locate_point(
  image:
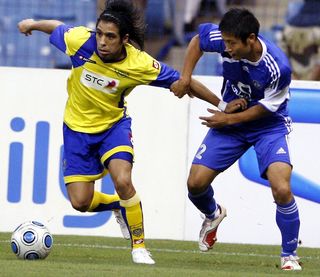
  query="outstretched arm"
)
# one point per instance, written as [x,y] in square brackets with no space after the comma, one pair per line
[26,26]
[200,91]
[193,54]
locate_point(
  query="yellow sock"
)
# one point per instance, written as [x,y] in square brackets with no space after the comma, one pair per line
[104,202]
[134,218]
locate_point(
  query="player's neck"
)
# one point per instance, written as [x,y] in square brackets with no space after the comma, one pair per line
[256,52]
[123,54]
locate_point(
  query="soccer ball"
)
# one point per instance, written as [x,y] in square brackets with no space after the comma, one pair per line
[31,240]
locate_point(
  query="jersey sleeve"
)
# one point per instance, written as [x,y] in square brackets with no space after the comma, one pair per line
[151,72]
[278,90]
[166,76]
[69,39]
[210,38]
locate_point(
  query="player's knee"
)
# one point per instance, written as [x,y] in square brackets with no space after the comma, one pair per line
[122,181]
[124,186]
[195,186]
[81,205]
[282,195]
[80,195]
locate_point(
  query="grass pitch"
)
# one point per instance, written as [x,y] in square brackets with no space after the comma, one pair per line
[105,256]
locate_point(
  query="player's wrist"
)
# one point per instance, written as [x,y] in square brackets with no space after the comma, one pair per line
[186,81]
[222,105]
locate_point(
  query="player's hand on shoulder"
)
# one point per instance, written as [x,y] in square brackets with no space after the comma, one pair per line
[236,105]
[25,26]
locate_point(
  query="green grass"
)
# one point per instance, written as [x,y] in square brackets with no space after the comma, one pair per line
[102,256]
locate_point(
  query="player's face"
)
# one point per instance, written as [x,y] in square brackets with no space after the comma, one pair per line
[109,44]
[236,48]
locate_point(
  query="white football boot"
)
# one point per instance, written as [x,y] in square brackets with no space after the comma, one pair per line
[290,263]
[142,256]
[123,226]
[208,232]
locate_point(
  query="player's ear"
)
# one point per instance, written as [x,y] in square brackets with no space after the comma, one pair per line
[251,38]
[125,38]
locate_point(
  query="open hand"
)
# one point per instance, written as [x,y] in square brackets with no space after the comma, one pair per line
[216,119]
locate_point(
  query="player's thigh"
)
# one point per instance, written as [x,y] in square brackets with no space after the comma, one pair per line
[272,148]
[81,161]
[117,143]
[80,194]
[220,149]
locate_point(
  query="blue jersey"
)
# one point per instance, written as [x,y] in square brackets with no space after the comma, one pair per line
[265,82]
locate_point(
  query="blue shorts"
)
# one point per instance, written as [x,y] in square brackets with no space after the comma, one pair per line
[86,156]
[223,147]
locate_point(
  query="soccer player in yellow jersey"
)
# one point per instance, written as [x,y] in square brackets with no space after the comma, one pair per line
[106,67]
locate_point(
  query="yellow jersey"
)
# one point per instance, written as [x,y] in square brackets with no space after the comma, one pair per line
[97,90]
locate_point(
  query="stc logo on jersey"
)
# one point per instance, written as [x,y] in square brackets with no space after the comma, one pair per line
[98,82]
[301,185]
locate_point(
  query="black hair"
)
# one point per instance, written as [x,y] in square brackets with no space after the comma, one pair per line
[239,22]
[127,17]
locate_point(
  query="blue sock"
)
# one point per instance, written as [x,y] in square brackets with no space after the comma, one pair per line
[287,217]
[205,202]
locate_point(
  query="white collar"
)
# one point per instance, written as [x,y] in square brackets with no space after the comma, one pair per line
[264,51]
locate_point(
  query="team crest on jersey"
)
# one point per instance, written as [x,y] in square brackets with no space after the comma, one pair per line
[156,64]
[96,81]
[256,84]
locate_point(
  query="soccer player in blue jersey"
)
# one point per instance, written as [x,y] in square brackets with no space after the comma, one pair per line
[258,71]
[106,67]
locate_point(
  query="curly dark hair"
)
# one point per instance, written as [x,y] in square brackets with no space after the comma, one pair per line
[127,17]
